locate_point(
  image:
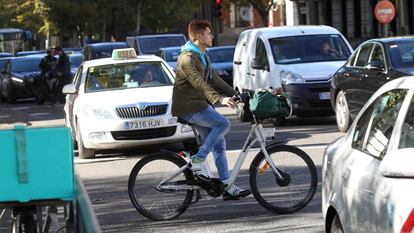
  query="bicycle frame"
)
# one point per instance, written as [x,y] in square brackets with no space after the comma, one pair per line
[257,134]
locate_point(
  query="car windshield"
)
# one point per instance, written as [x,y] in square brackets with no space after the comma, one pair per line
[221,55]
[402,54]
[3,63]
[313,48]
[25,65]
[126,76]
[150,45]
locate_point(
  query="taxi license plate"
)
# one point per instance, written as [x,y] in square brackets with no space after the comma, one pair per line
[324,95]
[150,123]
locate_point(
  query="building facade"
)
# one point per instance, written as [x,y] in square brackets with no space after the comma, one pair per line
[355,18]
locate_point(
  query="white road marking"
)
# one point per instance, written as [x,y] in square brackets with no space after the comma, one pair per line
[85,161]
[39,114]
[96,160]
[5,116]
[21,108]
[303,147]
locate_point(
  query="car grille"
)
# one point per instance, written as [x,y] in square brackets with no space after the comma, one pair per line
[320,104]
[319,89]
[134,112]
[144,133]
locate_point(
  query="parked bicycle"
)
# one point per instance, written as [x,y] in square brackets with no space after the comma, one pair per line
[283,178]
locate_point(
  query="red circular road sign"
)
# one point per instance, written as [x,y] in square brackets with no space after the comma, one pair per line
[384,11]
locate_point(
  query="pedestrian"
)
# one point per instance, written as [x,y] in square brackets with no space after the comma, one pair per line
[196,89]
[62,72]
[42,88]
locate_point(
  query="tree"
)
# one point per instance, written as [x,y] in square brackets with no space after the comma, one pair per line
[262,7]
[159,16]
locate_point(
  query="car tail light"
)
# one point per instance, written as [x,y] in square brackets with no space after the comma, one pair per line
[408,226]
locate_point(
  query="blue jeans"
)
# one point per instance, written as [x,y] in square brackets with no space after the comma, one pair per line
[212,126]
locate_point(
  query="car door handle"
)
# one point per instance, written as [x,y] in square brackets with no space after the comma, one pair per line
[253,75]
[237,62]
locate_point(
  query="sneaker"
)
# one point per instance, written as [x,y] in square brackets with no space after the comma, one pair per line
[235,193]
[200,168]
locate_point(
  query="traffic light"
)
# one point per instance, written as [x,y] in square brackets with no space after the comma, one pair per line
[217,9]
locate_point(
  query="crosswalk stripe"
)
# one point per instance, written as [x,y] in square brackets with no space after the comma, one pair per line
[39,114]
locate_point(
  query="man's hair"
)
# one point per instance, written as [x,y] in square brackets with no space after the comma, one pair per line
[57,48]
[197,26]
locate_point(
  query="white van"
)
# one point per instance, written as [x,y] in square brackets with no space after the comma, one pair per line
[299,59]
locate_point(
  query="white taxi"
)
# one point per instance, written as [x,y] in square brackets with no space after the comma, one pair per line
[123,101]
[368,175]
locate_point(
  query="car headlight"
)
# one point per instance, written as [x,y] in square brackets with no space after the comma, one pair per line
[290,78]
[186,129]
[17,80]
[96,112]
[222,73]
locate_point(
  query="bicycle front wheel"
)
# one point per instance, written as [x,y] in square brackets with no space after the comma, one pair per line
[148,198]
[297,187]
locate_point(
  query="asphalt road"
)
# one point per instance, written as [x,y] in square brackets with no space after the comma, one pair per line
[106,180]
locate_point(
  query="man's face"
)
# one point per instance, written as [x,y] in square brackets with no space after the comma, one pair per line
[206,37]
[326,48]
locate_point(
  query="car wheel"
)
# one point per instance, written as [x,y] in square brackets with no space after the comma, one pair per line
[342,112]
[10,96]
[83,152]
[2,98]
[243,114]
[336,226]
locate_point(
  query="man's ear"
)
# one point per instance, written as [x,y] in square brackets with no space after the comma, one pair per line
[199,38]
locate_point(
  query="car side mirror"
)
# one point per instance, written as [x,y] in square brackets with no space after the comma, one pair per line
[376,65]
[69,89]
[257,64]
[398,164]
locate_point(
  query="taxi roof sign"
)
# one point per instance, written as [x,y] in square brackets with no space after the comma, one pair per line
[123,54]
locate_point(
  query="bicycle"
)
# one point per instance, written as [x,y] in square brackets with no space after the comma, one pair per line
[285,168]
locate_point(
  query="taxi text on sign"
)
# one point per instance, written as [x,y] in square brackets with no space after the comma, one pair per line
[384,11]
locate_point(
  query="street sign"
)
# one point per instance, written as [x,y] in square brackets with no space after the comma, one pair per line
[384,11]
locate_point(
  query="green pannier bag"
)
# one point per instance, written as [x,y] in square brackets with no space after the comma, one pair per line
[265,104]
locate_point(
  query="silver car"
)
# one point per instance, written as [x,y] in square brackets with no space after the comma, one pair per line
[368,175]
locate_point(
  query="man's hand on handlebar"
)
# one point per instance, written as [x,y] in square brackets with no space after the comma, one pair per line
[228,101]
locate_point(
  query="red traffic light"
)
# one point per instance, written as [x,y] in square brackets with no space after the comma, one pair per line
[218,2]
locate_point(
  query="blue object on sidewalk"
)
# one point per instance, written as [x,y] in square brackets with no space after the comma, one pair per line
[36,164]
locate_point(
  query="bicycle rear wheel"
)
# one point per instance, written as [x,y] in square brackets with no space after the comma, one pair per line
[288,195]
[155,203]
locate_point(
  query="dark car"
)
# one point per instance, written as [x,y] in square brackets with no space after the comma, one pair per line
[101,50]
[373,63]
[221,58]
[17,77]
[150,44]
[170,55]
[27,53]
[6,55]
[76,60]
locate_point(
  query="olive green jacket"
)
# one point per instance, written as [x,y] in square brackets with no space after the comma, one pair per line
[193,90]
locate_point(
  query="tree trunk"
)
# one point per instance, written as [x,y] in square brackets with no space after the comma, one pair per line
[138,17]
[262,9]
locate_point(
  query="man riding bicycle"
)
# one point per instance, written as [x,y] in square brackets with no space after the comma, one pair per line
[196,89]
